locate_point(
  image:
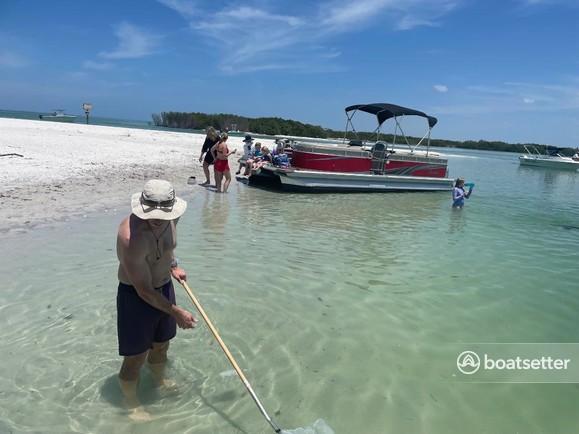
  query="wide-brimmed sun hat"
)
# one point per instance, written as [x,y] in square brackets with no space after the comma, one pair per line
[248,138]
[157,201]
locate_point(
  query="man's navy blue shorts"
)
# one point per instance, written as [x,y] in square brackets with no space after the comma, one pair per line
[139,324]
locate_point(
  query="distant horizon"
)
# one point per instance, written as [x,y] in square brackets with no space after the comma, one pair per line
[150,123]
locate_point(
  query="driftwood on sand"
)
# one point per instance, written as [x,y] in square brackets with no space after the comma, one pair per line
[11,155]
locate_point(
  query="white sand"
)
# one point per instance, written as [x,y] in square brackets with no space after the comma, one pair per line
[70,170]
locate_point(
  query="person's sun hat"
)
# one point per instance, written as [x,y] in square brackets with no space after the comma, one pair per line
[248,138]
[157,201]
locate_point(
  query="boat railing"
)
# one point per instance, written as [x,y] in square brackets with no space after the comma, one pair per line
[412,148]
[341,151]
[532,151]
[409,156]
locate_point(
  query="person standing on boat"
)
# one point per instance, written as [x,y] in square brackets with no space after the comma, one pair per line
[458,193]
[210,140]
[147,316]
[221,155]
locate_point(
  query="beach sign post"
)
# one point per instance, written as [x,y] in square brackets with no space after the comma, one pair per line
[87,107]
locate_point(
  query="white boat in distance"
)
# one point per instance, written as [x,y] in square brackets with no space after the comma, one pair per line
[552,159]
[58,116]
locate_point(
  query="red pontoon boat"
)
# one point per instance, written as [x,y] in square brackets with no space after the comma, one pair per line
[357,166]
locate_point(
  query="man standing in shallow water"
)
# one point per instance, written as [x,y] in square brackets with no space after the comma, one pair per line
[147,315]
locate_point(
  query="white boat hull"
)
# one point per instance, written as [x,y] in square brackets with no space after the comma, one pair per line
[313,180]
[553,163]
[65,118]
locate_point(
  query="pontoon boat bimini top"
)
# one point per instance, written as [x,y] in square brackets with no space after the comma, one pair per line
[384,111]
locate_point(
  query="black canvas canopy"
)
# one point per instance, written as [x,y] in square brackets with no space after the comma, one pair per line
[384,111]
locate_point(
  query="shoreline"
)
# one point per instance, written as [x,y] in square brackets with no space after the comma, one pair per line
[29,207]
[71,170]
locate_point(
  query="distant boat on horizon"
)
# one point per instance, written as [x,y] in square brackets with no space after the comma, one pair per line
[58,116]
[551,159]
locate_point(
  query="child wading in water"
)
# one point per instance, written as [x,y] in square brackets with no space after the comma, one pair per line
[458,193]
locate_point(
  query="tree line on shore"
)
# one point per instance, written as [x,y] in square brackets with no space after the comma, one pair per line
[277,126]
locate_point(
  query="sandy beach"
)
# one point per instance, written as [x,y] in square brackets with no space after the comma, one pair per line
[70,170]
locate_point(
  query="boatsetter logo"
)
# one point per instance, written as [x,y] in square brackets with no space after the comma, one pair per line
[470,362]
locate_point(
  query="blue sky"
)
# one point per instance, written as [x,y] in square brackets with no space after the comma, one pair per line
[497,70]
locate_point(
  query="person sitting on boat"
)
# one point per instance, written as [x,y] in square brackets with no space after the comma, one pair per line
[266,158]
[253,158]
[279,147]
[247,142]
[257,163]
[280,158]
[458,193]
[256,153]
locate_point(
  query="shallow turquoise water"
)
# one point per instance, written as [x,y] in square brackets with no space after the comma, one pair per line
[348,308]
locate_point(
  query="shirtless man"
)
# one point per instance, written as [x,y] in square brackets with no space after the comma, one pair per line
[147,315]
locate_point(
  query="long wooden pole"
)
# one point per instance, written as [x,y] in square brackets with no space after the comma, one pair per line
[275,427]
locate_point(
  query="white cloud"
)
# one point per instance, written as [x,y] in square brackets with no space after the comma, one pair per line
[440,88]
[342,13]
[530,4]
[11,60]
[99,66]
[410,22]
[332,54]
[183,7]
[251,38]
[133,43]
[407,14]
[507,98]
[248,13]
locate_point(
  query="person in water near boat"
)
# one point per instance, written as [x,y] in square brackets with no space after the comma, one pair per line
[458,193]
[147,316]
[210,140]
[221,155]
[247,142]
